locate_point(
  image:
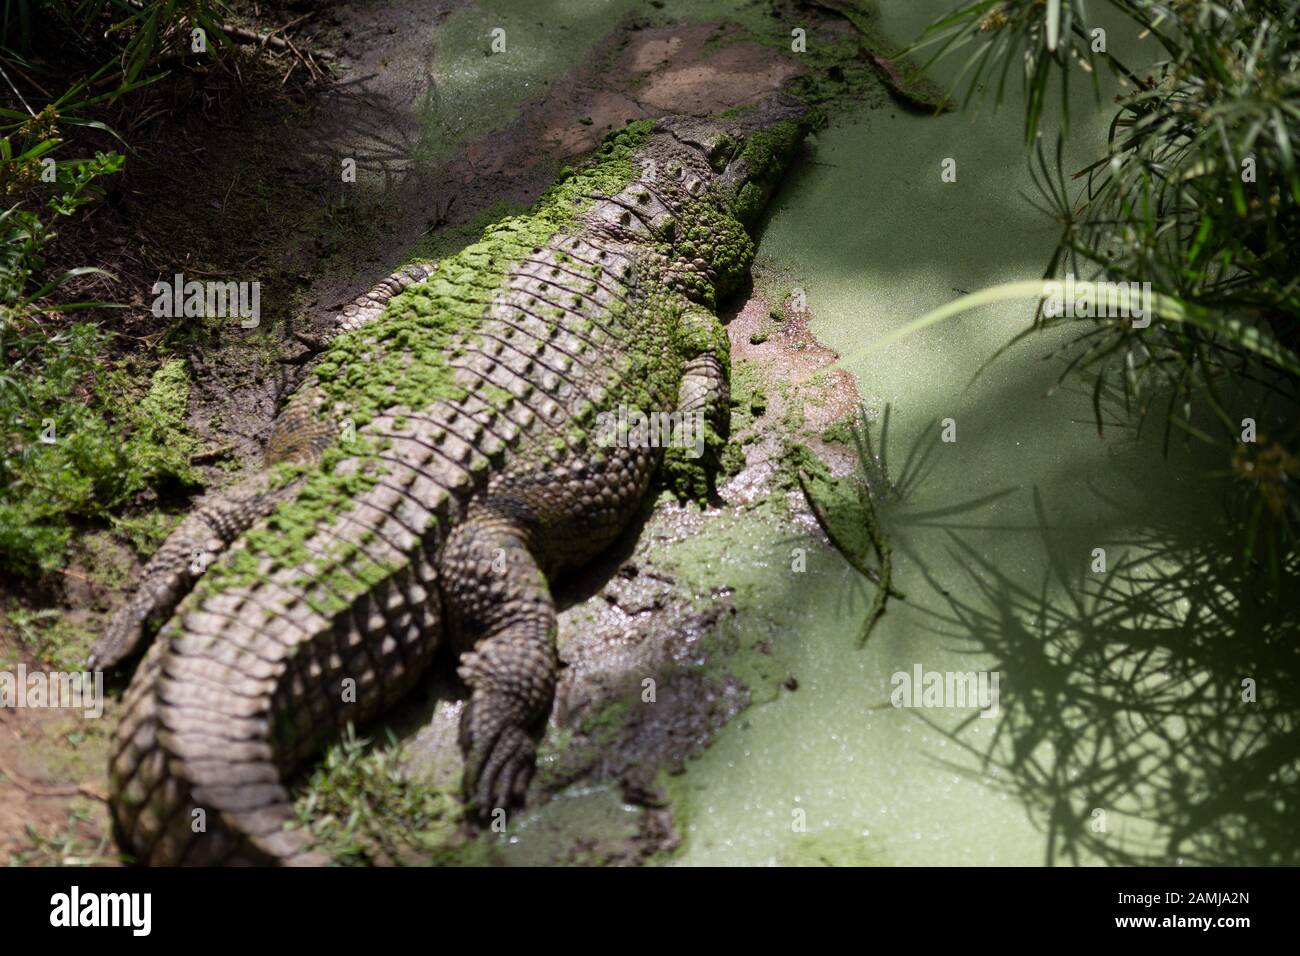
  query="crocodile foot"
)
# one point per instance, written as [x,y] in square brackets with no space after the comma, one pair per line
[499,754]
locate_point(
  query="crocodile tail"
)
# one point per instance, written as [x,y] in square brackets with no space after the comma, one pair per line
[238,691]
[163,813]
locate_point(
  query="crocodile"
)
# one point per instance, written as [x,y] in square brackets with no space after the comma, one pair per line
[438,467]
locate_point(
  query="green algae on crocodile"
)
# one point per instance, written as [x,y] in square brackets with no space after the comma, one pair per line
[422,320]
[767,153]
[418,325]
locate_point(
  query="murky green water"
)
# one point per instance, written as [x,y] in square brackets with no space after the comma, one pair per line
[1028,487]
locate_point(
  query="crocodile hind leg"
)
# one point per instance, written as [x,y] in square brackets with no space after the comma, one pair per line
[208,530]
[300,435]
[496,597]
[368,306]
[706,372]
[705,389]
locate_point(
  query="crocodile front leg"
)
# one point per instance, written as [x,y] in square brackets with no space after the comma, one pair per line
[705,391]
[501,613]
[706,388]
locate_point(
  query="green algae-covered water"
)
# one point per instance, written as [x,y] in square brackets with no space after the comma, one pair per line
[1012,509]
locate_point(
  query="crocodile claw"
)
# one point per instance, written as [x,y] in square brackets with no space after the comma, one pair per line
[499,758]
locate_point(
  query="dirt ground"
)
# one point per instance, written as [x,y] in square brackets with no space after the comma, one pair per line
[244,182]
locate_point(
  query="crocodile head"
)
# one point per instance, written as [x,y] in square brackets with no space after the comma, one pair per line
[749,151]
[738,161]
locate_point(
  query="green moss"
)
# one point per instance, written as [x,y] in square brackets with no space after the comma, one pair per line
[839,503]
[733,459]
[106,560]
[839,433]
[692,479]
[402,360]
[748,394]
[768,153]
[748,403]
[606,725]
[736,111]
[713,233]
[795,417]
[161,444]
